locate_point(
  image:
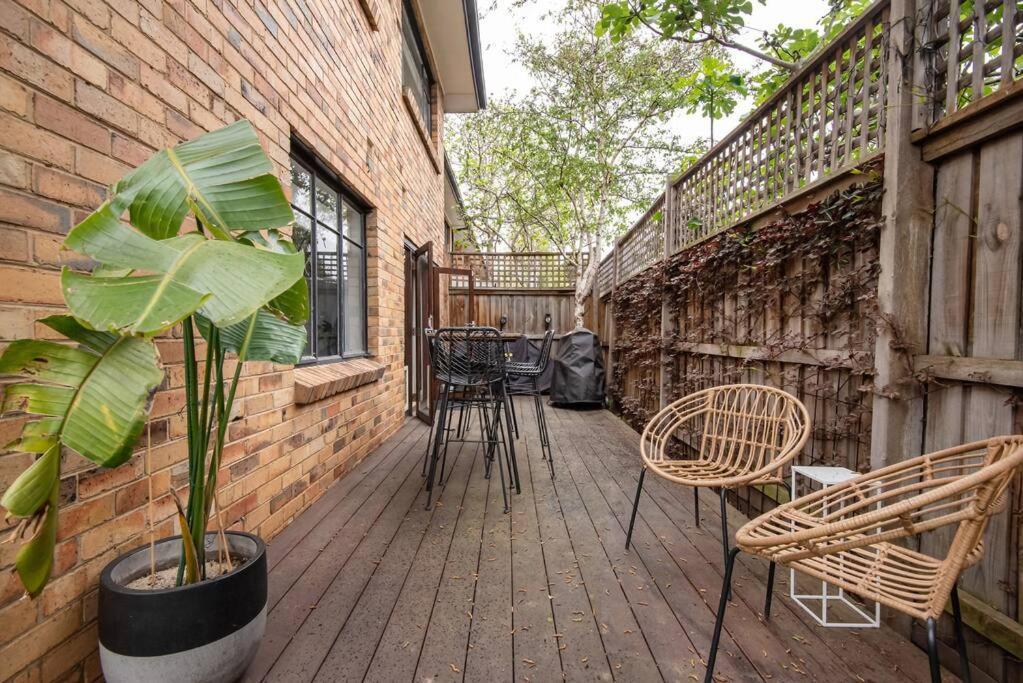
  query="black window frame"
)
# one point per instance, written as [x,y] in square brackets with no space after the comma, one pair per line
[320,173]
[410,25]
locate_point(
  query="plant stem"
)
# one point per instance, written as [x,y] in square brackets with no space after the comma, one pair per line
[192,418]
[225,413]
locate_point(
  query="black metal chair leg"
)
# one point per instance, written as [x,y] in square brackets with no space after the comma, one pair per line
[490,438]
[461,422]
[499,433]
[932,650]
[964,660]
[506,399]
[444,454]
[726,590]
[770,592]
[435,454]
[635,507]
[514,416]
[696,505]
[724,528]
[541,420]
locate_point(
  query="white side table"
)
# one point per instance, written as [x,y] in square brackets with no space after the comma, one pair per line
[816,604]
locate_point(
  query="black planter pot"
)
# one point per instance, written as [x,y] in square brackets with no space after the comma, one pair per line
[206,632]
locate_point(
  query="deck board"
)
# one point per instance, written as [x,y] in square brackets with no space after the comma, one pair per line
[370,585]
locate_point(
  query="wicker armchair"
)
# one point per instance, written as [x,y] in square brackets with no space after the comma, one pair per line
[844,534]
[734,435]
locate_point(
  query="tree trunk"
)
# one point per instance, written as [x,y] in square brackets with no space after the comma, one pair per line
[584,283]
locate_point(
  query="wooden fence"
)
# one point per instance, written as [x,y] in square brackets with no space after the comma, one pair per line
[923,100]
[523,288]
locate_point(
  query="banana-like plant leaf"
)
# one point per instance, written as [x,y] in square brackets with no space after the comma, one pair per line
[293,304]
[223,176]
[94,399]
[187,544]
[190,275]
[32,488]
[272,339]
[34,560]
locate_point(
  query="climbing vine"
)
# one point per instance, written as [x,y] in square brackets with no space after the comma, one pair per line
[792,303]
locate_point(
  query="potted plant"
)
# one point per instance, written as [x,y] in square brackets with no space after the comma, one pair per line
[191,607]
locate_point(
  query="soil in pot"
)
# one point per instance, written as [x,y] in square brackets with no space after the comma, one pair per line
[168,577]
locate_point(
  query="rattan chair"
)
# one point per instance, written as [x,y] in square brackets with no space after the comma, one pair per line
[724,437]
[845,534]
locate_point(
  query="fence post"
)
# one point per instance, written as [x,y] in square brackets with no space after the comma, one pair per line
[667,221]
[903,254]
[612,327]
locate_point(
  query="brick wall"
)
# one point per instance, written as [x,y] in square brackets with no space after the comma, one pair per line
[90,88]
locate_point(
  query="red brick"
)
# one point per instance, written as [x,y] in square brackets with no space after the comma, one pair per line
[66,656]
[157,83]
[96,11]
[111,534]
[32,212]
[14,171]
[106,108]
[97,167]
[21,61]
[104,47]
[101,480]
[72,124]
[14,19]
[51,42]
[31,646]
[84,65]
[13,245]
[129,151]
[142,46]
[14,97]
[67,188]
[17,618]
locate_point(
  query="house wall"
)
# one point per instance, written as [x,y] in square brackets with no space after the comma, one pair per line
[89,89]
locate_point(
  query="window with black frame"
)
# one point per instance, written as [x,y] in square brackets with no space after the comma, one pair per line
[330,228]
[415,72]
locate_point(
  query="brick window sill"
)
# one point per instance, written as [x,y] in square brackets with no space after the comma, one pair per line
[317,382]
[424,135]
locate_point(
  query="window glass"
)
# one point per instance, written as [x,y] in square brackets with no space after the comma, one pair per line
[355,320]
[415,74]
[353,224]
[330,230]
[326,205]
[301,186]
[327,292]
[302,236]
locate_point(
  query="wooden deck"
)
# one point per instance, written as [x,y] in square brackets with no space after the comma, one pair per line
[368,585]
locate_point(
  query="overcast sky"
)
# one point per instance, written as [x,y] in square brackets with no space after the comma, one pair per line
[500,20]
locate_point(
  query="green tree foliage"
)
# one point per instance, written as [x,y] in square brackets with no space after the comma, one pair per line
[780,50]
[565,166]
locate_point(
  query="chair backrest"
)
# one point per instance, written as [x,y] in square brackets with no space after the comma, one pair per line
[545,350]
[467,356]
[742,427]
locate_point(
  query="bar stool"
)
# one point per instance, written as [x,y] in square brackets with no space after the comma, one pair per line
[469,365]
[531,373]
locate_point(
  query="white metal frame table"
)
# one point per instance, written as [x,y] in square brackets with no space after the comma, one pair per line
[828,476]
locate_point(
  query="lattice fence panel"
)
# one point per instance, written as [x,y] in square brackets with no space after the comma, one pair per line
[972,49]
[532,270]
[829,117]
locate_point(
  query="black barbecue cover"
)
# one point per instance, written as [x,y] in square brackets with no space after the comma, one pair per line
[578,376]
